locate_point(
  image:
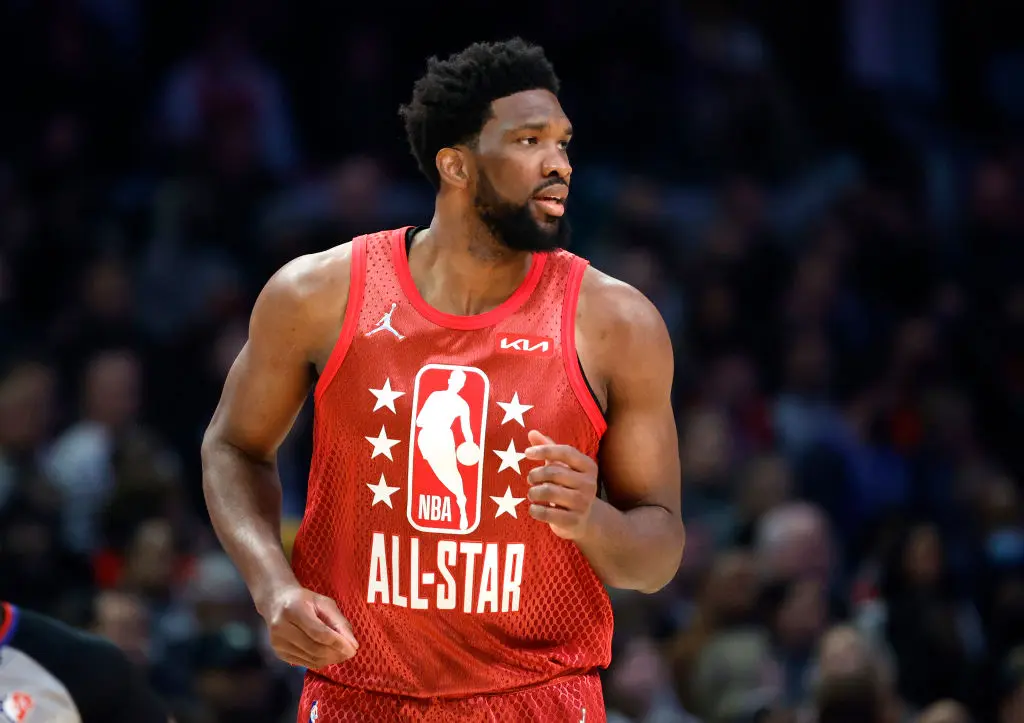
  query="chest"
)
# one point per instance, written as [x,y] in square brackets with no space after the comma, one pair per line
[446,416]
[488,382]
[519,355]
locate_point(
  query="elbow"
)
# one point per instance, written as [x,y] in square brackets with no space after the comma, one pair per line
[220,453]
[207,455]
[669,560]
[211,444]
[215,453]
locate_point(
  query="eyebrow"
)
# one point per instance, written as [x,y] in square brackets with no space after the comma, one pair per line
[537,126]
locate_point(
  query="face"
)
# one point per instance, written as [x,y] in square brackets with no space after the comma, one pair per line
[522,172]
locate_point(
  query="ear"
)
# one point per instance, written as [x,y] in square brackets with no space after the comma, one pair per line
[454,166]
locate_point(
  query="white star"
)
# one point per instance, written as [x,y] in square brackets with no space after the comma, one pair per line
[382,492]
[510,458]
[514,410]
[507,504]
[381,444]
[385,397]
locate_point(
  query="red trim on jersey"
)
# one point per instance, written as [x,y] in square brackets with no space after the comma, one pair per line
[351,323]
[10,615]
[457,321]
[572,362]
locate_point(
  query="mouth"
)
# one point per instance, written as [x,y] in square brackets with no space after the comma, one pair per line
[550,206]
[552,200]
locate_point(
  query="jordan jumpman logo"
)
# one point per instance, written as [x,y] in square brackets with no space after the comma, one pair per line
[385,324]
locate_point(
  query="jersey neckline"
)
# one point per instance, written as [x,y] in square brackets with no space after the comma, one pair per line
[458,321]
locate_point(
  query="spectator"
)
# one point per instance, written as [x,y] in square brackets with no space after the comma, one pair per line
[850,698]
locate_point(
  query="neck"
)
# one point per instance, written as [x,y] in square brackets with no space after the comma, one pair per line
[460,268]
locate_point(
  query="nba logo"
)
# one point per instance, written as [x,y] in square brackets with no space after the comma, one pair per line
[446,444]
[314,714]
[16,706]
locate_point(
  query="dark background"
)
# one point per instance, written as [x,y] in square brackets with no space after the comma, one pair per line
[824,200]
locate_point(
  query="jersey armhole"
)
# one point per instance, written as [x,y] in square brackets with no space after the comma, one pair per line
[350,324]
[573,369]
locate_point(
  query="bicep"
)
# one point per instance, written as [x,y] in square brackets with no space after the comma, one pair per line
[639,454]
[268,382]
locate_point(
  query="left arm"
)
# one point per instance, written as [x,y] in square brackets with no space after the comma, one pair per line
[635,540]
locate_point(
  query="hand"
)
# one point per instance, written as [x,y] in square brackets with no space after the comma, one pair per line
[563,489]
[307,629]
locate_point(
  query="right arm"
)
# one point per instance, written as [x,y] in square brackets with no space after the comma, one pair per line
[297,316]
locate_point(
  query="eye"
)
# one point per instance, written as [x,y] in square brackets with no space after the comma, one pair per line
[529,141]
[564,145]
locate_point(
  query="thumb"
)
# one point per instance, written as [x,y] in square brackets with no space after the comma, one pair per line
[327,610]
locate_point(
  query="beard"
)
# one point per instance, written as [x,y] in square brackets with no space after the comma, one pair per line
[513,225]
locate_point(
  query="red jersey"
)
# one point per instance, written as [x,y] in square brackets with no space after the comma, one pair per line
[417,518]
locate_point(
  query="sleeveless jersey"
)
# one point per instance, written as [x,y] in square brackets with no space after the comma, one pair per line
[417,518]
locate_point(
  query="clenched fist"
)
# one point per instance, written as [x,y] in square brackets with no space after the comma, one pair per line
[307,629]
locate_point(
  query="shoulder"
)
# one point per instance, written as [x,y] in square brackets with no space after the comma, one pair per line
[100,678]
[618,316]
[306,296]
[306,280]
[622,336]
[80,660]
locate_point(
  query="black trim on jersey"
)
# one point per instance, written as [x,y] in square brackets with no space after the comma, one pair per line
[411,233]
[103,683]
[589,388]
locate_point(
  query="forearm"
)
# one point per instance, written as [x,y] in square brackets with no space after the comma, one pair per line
[635,550]
[243,497]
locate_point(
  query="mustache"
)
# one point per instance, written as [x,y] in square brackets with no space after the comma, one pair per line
[549,184]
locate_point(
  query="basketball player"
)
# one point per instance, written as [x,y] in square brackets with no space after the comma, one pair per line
[412,595]
[50,673]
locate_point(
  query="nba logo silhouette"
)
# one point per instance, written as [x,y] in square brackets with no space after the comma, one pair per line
[446,444]
[314,714]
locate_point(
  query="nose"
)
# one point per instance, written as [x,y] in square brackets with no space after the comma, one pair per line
[556,163]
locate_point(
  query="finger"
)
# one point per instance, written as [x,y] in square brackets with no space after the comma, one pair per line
[291,654]
[307,619]
[328,612]
[312,627]
[569,456]
[550,494]
[553,515]
[538,438]
[314,654]
[560,475]
[297,637]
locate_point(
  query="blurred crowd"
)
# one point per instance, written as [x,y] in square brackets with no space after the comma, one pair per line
[829,214]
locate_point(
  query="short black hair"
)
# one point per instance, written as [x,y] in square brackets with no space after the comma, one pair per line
[452,101]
